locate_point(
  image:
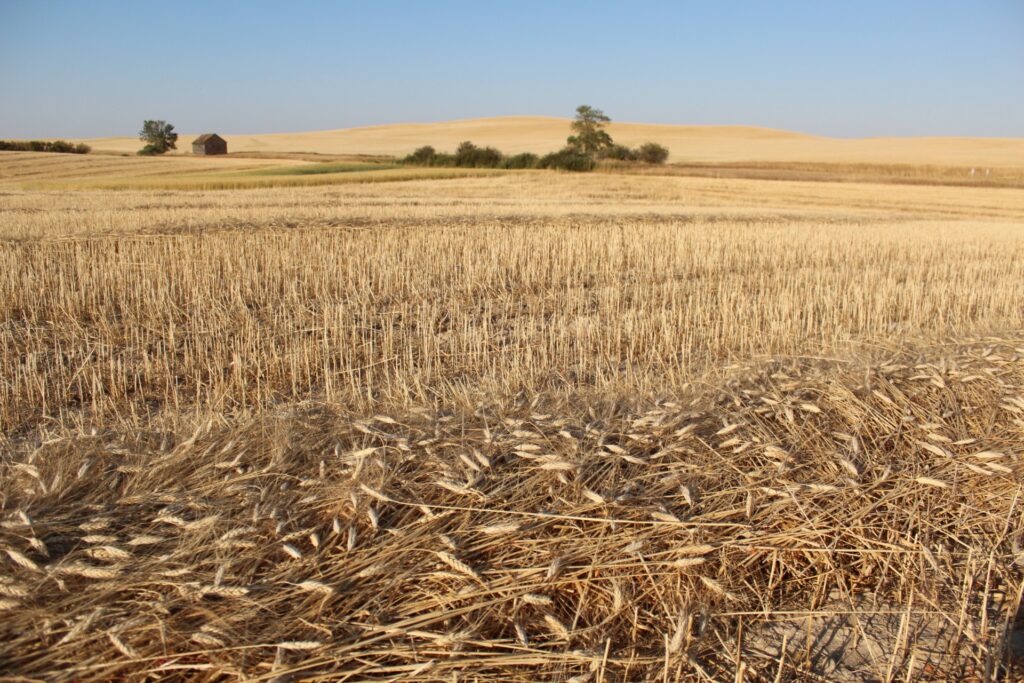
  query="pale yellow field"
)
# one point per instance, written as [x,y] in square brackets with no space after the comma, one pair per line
[42,171]
[28,167]
[530,426]
[686,143]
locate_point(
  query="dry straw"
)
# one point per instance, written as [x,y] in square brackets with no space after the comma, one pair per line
[528,559]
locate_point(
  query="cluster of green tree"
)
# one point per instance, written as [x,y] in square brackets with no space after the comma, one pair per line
[589,144]
[159,137]
[60,146]
[469,155]
[647,153]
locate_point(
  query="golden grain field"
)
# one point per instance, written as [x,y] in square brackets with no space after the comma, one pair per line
[524,426]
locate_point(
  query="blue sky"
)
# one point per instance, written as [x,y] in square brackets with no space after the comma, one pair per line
[856,68]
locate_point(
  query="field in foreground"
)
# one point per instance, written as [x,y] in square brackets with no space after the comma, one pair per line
[874,507]
[530,426]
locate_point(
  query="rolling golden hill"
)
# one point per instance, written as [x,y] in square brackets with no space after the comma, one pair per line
[699,144]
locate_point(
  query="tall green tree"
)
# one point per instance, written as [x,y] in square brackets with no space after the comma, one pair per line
[590,136]
[159,137]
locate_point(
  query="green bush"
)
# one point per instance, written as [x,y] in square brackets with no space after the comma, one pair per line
[618,153]
[524,160]
[469,155]
[424,156]
[465,153]
[150,150]
[568,159]
[652,153]
[62,147]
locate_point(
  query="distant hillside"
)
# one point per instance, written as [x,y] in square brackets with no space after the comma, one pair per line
[721,144]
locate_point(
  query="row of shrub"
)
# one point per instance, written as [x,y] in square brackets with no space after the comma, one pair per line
[469,155]
[60,146]
[647,153]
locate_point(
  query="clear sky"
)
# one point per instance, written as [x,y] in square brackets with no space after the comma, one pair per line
[854,68]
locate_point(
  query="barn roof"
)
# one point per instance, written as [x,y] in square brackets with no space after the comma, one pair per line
[206,137]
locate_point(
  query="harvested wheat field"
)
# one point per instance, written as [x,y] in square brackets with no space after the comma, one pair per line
[524,426]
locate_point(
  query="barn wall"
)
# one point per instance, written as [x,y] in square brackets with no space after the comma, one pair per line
[210,147]
[216,146]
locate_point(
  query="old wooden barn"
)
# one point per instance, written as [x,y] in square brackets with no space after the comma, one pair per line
[209,143]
